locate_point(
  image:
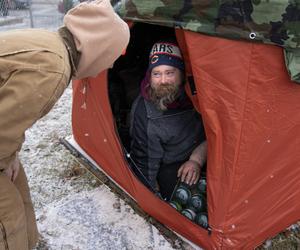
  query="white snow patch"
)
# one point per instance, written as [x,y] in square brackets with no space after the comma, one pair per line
[88,220]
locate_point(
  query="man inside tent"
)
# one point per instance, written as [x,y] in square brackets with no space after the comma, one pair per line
[168,139]
[35,68]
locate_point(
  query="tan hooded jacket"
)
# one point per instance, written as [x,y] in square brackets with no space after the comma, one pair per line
[100,36]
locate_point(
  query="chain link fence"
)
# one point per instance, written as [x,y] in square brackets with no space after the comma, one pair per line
[20,14]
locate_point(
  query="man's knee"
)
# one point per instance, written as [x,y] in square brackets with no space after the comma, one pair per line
[13,231]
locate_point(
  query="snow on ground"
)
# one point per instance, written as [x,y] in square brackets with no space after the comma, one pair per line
[73,210]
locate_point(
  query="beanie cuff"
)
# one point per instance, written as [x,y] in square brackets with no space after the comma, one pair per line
[165,53]
[159,59]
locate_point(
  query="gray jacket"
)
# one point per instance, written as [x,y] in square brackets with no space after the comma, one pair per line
[162,138]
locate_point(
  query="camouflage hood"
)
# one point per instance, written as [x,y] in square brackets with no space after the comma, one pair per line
[267,21]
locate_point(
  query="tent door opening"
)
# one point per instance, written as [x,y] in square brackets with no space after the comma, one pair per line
[128,71]
[124,81]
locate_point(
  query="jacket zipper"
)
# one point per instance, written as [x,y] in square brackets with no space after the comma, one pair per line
[170,115]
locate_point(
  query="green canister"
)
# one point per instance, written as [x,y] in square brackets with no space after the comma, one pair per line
[201,185]
[183,194]
[198,202]
[176,205]
[202,219]
[189,213]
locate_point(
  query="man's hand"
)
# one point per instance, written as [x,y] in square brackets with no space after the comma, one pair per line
[13,169]
[189,172]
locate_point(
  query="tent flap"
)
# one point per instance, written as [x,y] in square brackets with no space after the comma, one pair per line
[249,107]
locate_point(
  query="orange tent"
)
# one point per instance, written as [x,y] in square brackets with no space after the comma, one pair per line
[250,111]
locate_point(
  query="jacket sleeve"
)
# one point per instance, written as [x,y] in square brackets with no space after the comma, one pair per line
[27,94]
[146,148]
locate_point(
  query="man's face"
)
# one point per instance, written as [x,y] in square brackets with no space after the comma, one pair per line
[164,75]
[165,81]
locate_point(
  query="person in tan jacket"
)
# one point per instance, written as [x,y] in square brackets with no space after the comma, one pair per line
[35,68]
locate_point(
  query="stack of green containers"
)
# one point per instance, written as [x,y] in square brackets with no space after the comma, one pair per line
[190,201]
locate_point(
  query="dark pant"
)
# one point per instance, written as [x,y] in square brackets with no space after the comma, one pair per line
[167,179]
[18,229]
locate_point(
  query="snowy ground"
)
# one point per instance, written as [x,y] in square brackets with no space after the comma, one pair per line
[74,211]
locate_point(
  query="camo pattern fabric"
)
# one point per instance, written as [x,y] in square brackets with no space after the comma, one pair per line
[267,21]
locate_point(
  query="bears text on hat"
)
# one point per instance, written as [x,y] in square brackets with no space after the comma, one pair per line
[166,49]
